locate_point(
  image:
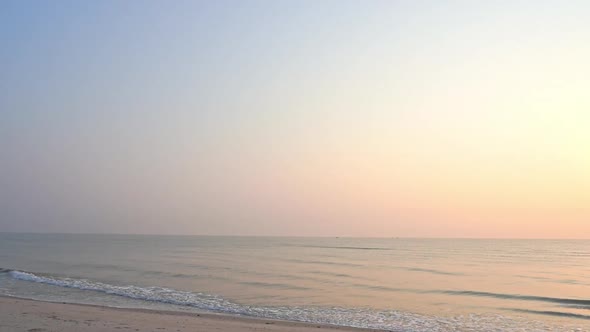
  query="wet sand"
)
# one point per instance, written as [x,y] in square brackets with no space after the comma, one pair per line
[38,316]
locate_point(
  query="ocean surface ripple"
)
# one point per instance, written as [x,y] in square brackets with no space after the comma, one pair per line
[407,285]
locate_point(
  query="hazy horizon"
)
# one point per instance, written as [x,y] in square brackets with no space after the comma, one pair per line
[304,236]
[448,119]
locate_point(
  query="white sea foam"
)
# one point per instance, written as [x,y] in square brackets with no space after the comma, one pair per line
[156,294]
[354,317]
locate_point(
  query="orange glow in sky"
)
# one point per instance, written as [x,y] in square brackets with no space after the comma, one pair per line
[317,119]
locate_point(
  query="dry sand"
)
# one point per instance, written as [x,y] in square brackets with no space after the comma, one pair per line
[37,316]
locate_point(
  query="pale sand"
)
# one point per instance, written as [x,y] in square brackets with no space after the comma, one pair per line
[37,316]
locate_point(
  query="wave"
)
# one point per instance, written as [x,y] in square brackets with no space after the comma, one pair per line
[273,285]
[335,274]
[550,280]
[316,262]
[346,247]
[417,269]
[154,294]
[391,320]
[578,302]
[549,313]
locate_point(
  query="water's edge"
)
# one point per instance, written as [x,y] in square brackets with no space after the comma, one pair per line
[201,314]
[214,304]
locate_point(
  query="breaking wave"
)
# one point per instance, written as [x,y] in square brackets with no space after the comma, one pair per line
[391,320]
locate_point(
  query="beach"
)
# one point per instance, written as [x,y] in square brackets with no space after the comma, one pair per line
[39,316]
[295,165]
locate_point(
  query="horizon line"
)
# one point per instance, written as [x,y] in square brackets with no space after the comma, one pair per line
[295,236]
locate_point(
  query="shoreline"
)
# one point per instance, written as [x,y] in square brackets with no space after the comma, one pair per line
[20,314]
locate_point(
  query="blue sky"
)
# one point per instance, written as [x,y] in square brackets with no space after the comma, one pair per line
[410,118]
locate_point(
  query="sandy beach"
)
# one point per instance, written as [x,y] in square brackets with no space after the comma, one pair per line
[37,316]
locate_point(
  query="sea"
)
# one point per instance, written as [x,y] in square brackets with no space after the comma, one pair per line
[394,284]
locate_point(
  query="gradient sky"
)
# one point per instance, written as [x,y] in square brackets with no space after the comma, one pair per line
[328,118]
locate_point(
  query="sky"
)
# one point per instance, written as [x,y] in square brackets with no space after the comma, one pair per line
[296,118]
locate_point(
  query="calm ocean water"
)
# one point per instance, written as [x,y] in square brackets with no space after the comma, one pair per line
[393,284]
